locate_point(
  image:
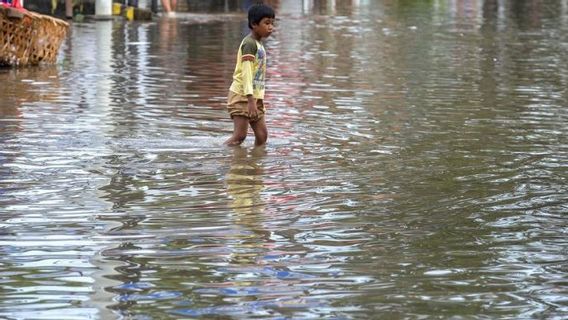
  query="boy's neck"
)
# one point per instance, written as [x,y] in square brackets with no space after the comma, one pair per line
[255,36]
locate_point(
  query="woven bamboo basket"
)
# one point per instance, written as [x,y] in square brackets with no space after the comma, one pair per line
[28,38]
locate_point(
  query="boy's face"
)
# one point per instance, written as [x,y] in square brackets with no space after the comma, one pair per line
[264,28]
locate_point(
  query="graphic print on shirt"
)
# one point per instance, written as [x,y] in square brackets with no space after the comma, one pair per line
[258,81]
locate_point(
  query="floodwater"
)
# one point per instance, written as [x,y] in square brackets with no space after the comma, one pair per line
[416,168]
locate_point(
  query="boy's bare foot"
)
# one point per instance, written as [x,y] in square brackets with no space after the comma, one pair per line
[233,143]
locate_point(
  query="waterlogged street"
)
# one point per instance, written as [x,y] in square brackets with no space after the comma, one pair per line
[416,167]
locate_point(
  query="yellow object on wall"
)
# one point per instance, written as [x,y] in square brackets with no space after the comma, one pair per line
[129,13]
[116,9]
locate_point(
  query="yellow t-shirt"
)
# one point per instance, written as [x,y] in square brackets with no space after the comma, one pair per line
[250,71]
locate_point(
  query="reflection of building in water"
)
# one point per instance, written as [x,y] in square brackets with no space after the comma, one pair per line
[10,114]
[18,89]
[27,85]
[42,120]
[305,45]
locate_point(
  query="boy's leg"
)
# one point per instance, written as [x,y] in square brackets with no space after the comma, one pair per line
[166,5]
[260,132]
[240,129]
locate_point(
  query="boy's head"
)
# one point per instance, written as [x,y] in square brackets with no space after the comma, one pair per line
[257,12]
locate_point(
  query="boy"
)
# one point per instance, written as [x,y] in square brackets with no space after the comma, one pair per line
[245,101]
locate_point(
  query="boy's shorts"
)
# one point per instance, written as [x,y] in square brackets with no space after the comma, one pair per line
[237,105]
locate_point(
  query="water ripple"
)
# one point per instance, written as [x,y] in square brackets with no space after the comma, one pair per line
[417,157]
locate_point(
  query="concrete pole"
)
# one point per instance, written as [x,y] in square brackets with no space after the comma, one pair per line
[104,84]
[154,6]
[143,4]
[307,6]
[69,9]
[103,9]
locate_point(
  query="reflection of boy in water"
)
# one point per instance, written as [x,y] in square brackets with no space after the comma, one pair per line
[244,185]
[246,95]
[244,182]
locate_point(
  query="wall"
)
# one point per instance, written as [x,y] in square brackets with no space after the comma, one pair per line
[87,7]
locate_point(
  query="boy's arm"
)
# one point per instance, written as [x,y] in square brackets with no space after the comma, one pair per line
[248,52]
[247,66]
[247,85]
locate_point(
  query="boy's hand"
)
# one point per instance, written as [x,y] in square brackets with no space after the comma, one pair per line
[252,110]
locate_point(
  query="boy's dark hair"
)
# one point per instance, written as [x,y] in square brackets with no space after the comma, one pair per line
[257,12]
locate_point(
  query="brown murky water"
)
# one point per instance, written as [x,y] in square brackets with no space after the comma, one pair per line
[417,168]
